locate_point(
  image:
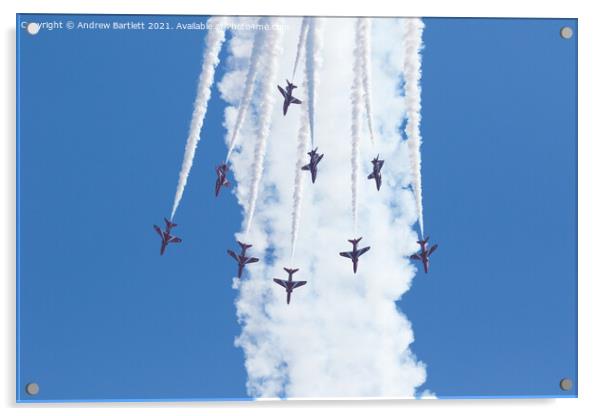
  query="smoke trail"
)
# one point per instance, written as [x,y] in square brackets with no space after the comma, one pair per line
[302,140]
[364,29]
[269,58]
[323,343]
[245,102]
[213,44]
[412,74]
[356,98]
[313,59]
[302,37]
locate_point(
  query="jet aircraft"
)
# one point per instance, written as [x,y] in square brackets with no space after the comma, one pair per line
[425,253]
[166,237]
[355,253]
[222,180]
[290,284]
[377,165]
[312,166]
[288,95]
[242,259]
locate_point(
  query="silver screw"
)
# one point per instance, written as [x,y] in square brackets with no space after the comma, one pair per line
[33,28]
[566,32]
[32,389]
[566,384]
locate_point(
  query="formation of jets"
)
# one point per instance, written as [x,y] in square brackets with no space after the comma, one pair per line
[166,237]
[290,284]
[312,166]
[288,96]
[425,253]
[242,259]
[314,157]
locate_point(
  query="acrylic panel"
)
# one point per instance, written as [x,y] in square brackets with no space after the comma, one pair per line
[242,208]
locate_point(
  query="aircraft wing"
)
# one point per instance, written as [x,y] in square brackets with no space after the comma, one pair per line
[295,101]
[415,257]
[299,283]
[251,260]
[347,254]
[371,176]
[362,251]
[282,91]
[233,254]
[175,240]
[158,230]
[306,167]
[280,282]
[432,249]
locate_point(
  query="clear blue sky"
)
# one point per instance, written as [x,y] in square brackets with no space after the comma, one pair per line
[497,313]
[103,121]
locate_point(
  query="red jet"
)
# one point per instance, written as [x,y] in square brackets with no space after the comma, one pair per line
[312,166]
[222,180]
[425,253]
[354,254]
[242,259]
[288,95]
[166,237]
[290,284]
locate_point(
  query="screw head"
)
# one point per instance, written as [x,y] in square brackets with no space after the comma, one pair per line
[32,389]
[566,32]
[33,28]
[566,384]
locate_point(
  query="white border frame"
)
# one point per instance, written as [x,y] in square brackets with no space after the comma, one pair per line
[590,201]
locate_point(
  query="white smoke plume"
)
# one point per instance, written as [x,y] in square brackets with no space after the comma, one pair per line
[342,335]
[213,45]
[356,125]
[365,39]
[271,50]
[302,141]
[258,45]
[313,60]
[412,72]
[300,44]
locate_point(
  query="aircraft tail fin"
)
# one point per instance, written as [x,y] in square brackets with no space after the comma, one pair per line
[355,241]
[170,224]
[291,271]
[243,245]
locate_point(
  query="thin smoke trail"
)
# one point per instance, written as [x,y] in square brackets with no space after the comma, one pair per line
[412,74]
[365,28]
[245,102]
[300,43]
[269,58]
[302,141]
[356,101]
[313,59]
[213,44]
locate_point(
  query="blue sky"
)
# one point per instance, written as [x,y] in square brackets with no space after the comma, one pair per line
[103,122]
